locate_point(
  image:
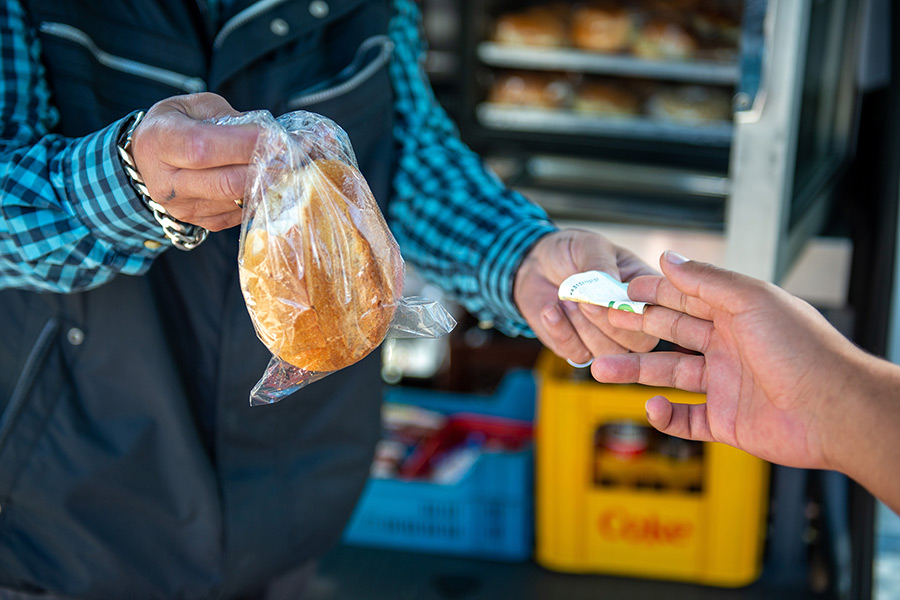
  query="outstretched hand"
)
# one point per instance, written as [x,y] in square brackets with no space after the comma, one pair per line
[772,367]
[577,332]
[196,170]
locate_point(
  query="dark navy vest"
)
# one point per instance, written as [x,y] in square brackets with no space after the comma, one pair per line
[131,465]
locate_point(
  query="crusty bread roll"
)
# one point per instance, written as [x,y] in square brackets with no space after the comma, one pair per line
[602,27]
[661,39]
[690,103]
[540,26]
[321,280]
[607,98]
[530,88]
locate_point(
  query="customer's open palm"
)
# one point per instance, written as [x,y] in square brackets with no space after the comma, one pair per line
[766,356]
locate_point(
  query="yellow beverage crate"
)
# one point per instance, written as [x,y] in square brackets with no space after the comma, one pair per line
[612,496]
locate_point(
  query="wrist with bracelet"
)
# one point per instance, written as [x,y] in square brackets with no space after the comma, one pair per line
[184,236]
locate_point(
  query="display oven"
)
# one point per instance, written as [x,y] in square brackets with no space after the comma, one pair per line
[722,120]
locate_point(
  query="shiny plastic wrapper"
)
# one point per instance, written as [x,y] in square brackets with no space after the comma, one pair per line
[320,272]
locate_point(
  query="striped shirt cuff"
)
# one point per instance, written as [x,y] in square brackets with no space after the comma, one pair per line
[498,271]
[105,202]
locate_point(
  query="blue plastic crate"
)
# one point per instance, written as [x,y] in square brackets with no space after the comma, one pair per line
[487,514]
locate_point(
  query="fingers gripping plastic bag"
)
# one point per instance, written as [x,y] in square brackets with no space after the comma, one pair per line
[320,271]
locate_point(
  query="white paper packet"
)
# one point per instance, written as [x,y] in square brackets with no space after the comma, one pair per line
[600,288]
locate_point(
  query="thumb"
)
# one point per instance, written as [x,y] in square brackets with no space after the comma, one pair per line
[204,106]
[594,253]
[177,132]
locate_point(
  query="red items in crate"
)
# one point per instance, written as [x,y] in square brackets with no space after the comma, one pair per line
[488,511]
[464,435]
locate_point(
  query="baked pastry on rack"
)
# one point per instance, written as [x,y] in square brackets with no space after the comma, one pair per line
[719,31]
[538,26]
[690,104]
[531,88]
[717,25]
[607,99]
[602,27]
[664,39]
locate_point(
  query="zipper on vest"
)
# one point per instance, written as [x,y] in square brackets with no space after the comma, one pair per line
[242,18]
[356,80]
[125,65]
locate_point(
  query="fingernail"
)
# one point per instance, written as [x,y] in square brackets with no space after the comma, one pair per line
[551,314]
[650,417]
[591,309]
[675,258]
[570,306]
[579,365]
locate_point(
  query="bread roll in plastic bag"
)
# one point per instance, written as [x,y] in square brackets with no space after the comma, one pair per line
[320,271]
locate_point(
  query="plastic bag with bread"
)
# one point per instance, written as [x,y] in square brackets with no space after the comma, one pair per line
[321,273]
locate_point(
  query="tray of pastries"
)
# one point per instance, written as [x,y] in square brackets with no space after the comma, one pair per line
[689,40]
[576,104]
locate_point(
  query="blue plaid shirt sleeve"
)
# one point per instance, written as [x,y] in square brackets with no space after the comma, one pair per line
[69,219]
[455,222]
